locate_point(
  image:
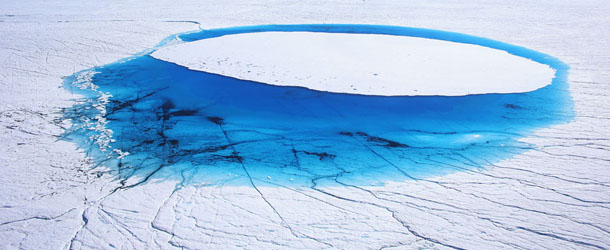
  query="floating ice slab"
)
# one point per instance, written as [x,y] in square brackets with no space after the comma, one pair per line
[368,64]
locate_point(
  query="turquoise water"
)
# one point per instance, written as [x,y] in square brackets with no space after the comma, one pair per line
[206,128]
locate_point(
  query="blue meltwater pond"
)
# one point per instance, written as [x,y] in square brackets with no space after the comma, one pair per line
[197,127]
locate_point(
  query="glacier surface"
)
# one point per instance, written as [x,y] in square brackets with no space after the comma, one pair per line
[553,194]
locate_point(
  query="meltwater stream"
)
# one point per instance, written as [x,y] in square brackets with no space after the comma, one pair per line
[146,119]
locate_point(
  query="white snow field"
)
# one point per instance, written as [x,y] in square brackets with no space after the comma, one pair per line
[555,196]
[361,63]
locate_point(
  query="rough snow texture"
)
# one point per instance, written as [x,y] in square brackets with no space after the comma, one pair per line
[362,63]
[555,196]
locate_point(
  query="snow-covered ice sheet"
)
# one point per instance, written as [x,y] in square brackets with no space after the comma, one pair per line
[555,195]
[367,64]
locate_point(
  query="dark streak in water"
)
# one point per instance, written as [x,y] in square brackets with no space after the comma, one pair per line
[384,142]
[216,120]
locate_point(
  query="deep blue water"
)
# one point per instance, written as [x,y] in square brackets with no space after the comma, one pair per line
[201,127]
